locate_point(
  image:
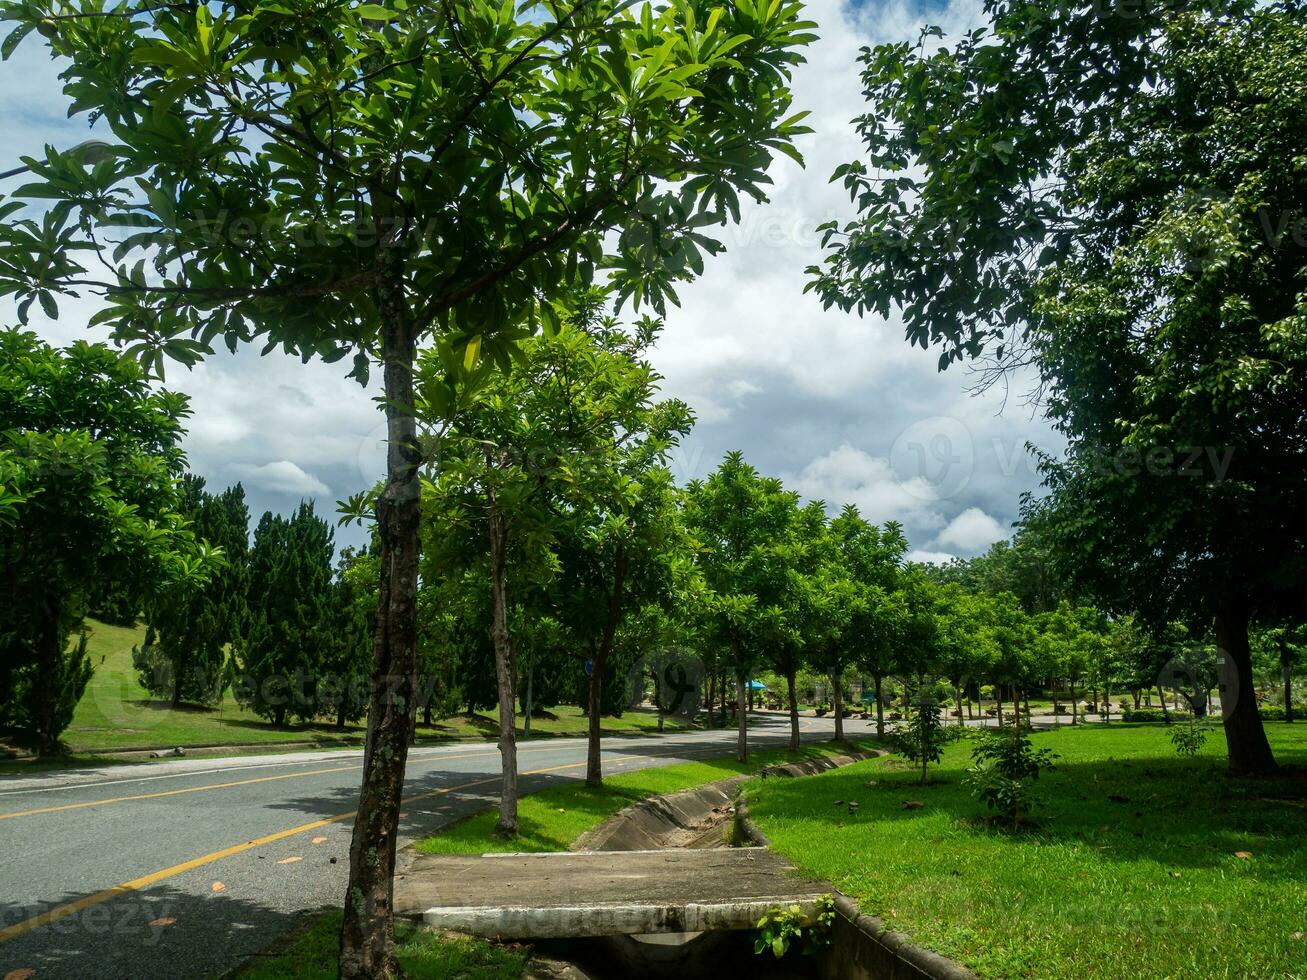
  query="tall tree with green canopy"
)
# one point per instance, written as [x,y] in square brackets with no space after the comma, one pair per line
[557,465]
[736,514]
[356,178]
[280,659]
[1112,198]
[621,544]
[800,603]
[194,627]
[623,547]
[90,465]
[871,558]
[347,653]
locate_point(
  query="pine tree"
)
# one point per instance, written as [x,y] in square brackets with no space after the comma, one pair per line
[282,656]
[194,628]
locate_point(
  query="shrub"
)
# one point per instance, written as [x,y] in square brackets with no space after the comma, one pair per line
[782,928]
[1188,739]
[1154,714]
[1006,767]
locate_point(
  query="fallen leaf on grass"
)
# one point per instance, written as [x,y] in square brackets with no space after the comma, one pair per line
[1175,874]
[166,920]
[219,886]
[290,860]
[1299,935]
[913,804]
[1245,855]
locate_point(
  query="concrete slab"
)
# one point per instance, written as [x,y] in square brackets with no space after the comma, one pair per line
[600,893]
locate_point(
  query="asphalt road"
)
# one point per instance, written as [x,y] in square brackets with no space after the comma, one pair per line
[186,868]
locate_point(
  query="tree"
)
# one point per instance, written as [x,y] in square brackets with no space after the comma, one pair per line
[872,558]
[558,466]
[805,609]
[736,515]
[1285,642]
[347,648]
[1070,640]
[922,737]
[1102,196]
[280,659]
[358,178]
[623,551]
[89,462]
[193,627]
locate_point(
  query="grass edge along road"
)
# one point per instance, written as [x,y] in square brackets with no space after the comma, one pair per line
[1141,863]
[551,819]
[117,714]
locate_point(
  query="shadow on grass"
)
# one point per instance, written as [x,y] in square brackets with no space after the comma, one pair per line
[1183,813]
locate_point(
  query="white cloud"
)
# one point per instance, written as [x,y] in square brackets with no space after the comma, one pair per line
[830,401]
[282,476]
[847,475]
[972,530]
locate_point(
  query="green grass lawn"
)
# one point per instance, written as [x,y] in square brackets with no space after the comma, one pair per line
[1131,870]
[117,713]
[552,819]
[424,955]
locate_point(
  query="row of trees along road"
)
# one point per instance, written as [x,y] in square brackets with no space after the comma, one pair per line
[360,179]
[1115,201]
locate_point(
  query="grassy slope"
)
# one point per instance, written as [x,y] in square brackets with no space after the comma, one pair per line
[552,819]
[1144,885]
[423,955]
[116,712]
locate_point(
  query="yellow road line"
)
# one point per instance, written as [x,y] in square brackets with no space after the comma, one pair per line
[207,786]
[72,908]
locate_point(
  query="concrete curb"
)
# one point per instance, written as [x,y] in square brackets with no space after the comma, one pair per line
[862,946]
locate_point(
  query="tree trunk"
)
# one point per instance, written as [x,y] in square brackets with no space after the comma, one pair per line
[48,670]
[1286,677]
[838,701]
[340,715]
[794,710]
[594,775]
[957,696]
[880,708]
[1166,715]
[742,716]
[658,696]
[367,941]
[505,682]
[1074,715]
[1249,752]
[712,699]
[526,713]
[176,685]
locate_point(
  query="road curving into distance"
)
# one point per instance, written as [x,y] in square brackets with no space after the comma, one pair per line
[186,868]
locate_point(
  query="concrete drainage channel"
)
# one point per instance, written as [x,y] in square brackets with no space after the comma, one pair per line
[652,894]
[697,819]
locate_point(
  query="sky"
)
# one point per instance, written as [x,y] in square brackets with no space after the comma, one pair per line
[838,406]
